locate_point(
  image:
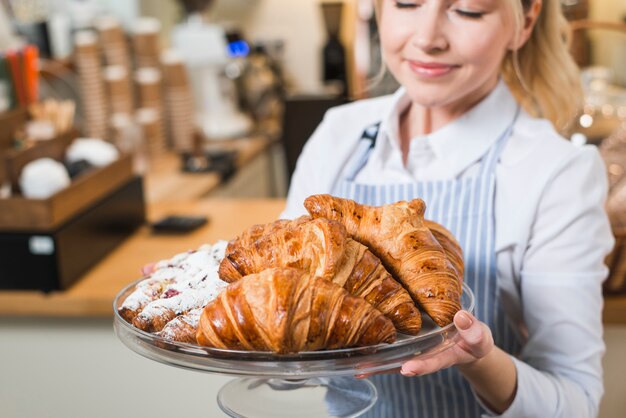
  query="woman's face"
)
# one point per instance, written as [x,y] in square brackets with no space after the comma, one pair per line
[446,53]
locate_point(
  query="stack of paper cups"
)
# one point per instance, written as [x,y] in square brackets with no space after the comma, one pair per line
[88,67]
[119,94]
[115,47]
[148,120]
[127,135]
[149,86]
[146,43]
[113,41]
[179,106]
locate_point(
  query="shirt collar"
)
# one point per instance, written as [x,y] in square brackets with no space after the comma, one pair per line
[474,132]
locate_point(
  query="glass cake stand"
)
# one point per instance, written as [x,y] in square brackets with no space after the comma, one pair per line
[315,384]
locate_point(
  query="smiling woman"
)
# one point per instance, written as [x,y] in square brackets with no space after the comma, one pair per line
[540,72]
[471,131]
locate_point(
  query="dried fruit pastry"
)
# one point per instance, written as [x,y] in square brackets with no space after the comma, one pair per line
[396,233]
[323,248]
[183,328]
[195,282]
[167,273]
[286,311]
[145,292]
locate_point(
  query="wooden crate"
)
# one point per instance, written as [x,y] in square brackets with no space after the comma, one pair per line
[21,214]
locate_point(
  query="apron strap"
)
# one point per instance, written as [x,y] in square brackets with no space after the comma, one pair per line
[362,153]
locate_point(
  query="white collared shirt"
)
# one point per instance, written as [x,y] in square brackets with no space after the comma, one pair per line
[552,233]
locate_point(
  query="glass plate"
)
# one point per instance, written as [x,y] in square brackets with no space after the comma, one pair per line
[324,363]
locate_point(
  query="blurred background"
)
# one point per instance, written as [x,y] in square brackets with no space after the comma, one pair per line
[116,110]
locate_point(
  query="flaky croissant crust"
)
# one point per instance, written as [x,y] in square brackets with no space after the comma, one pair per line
[286,311]
[397,234]
[323,248]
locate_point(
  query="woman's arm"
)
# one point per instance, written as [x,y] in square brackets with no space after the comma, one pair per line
[494,379]
[559,372]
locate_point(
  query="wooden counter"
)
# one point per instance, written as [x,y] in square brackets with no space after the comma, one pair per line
[165,181]
[93,294]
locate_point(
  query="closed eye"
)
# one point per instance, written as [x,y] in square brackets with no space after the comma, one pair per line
[405,5]
[468,14]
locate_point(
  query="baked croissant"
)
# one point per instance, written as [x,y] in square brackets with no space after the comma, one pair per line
[396,233]
[313,246]
[287,311]
[323,248]
[450,246]
[250,235]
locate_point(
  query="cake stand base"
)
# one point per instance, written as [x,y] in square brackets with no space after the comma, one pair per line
[339,397]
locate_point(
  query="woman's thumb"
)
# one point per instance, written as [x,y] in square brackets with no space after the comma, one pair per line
[475,335]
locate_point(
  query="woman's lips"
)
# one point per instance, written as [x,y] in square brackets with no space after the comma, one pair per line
[431,69]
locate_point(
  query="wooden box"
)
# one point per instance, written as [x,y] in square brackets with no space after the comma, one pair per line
[54,259]
[49,243]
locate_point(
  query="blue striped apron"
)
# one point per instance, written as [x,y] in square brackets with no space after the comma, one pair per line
[466,207]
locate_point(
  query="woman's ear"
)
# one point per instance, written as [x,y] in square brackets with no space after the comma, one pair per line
[530,19]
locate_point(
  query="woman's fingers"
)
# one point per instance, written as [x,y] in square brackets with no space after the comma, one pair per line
[429,365]
[473,342]
[474,336]
[147,269]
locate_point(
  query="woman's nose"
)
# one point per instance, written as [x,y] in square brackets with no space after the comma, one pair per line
[429,33]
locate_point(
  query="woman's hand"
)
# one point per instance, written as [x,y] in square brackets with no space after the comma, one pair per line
[474,342]
[148,269]
[489,370]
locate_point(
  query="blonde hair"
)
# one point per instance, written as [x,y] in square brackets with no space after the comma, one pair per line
[542,74]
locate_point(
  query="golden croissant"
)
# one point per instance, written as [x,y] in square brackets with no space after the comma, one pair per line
[286,311]
[396,233]
[450,246]
[317,248]
[250,235]
[323,248]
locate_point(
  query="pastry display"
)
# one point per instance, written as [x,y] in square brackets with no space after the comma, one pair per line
[287,310]
[176,287]
[397,234]
[323,248]
[347,275]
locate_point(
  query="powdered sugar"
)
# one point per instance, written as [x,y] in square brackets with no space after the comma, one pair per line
[145,292]
[183,327]
[186,281]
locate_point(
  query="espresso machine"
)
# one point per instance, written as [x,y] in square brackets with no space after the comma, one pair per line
[203,47]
